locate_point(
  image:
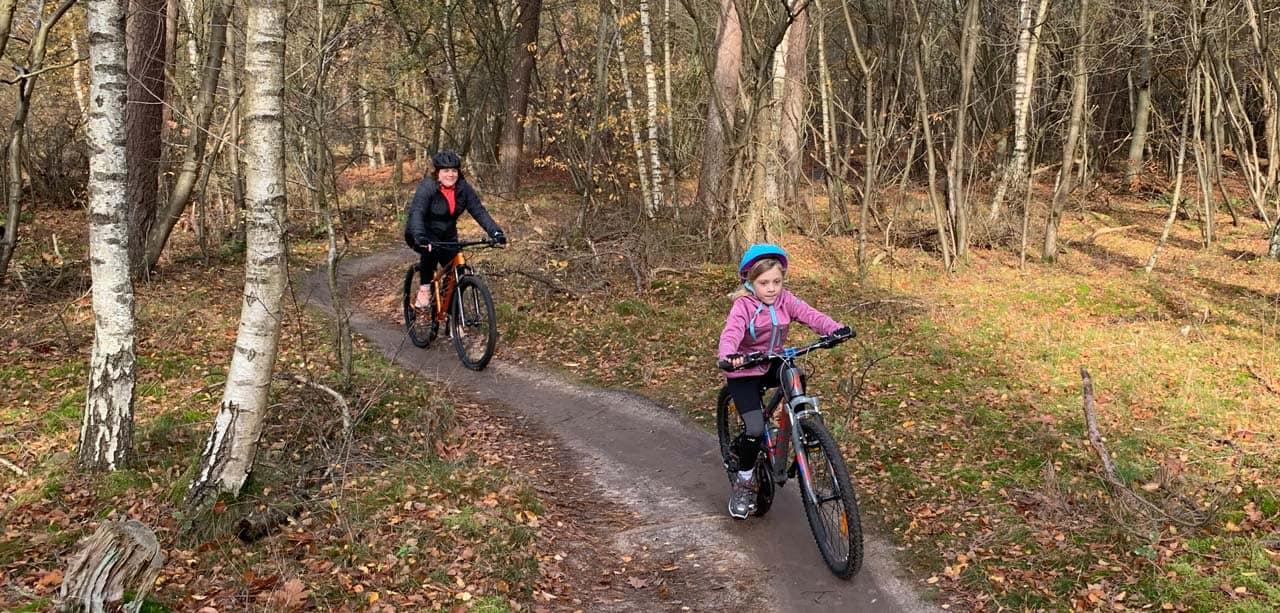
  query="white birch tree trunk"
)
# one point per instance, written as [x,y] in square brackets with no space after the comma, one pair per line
[1024,80]
[637,141]
[77,72]
[106,429]
[651,99]
[229,453]
[193,21]
[366,127]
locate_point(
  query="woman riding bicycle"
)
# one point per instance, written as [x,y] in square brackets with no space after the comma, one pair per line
[433,217]
[762,312]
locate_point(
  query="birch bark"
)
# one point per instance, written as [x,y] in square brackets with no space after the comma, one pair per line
[232,445]
[106,429]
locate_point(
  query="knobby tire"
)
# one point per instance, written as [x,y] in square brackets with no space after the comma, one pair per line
[840,539]
[473,322]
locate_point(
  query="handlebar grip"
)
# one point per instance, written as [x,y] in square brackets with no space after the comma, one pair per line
[749,360]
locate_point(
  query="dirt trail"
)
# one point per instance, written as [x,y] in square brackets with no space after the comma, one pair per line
[666,469]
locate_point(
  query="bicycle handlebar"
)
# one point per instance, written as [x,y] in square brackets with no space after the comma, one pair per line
[759,357]
[462,244]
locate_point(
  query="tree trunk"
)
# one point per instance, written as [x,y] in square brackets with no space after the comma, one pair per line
[366,126]
[77,77]
[957,198]
[1273,248]
[26,84]
[721,112]
[1188,110]
[637,140]
[144,120]
[116,567]
[1202,154]
[872,139]
[7,8]
[229,453]
[1024,79]
[106,431]
[511,147]
[651,107]
[766,131]
[793,109]
[668,118]
[1141,99]
[1079,89]
[193,157]
[606,38]
[837,211]
[939,209]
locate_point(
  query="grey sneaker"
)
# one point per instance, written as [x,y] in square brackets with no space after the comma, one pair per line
[742,500]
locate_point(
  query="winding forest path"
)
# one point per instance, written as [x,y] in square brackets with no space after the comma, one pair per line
[666,469]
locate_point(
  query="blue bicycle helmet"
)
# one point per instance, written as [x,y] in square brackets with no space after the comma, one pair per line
[758,252]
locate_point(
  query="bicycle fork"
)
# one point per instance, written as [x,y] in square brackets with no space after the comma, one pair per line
[799,406]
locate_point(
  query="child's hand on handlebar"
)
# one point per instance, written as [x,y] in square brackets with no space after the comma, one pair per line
[731,361]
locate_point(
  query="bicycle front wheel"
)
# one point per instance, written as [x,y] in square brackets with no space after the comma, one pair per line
[419,322]
[473,323]
[829,501]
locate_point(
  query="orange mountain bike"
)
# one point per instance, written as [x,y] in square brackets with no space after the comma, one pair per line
[460,302]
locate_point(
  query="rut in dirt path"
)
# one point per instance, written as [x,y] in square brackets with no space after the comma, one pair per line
[666,469]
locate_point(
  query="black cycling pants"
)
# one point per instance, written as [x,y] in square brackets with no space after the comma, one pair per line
[746,393]
[429,261]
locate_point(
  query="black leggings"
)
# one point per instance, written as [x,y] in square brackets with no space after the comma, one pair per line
[746,392]
[429,261]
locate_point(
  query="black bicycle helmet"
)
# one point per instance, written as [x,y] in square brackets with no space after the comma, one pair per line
[446,159]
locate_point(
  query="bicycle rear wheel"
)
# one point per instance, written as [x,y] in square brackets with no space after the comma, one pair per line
[419,322]
[728,426]
[829,501]
[473,322]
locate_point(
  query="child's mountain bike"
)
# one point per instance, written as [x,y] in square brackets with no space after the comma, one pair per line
[797,443]
[460,302]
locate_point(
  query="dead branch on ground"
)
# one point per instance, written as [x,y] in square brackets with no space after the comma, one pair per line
[341,402]
[1136,513]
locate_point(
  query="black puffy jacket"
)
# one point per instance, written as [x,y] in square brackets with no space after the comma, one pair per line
[429,218]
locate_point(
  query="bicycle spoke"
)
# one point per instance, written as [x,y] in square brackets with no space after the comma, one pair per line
[830,503]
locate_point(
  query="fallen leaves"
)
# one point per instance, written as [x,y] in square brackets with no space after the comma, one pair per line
[292,596]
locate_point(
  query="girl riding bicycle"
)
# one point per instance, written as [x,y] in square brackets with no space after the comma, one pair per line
[433,217]
[761,314]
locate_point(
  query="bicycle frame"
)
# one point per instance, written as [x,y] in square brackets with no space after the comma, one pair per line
[799,405]
[444,283]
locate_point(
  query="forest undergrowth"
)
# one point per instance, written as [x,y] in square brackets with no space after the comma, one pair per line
[960,407]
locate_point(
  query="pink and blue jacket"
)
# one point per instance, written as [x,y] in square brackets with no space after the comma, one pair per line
[755,326]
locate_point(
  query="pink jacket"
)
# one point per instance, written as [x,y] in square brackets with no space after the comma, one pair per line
[738,337]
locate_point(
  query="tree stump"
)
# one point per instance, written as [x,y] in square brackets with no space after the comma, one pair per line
[119,558]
